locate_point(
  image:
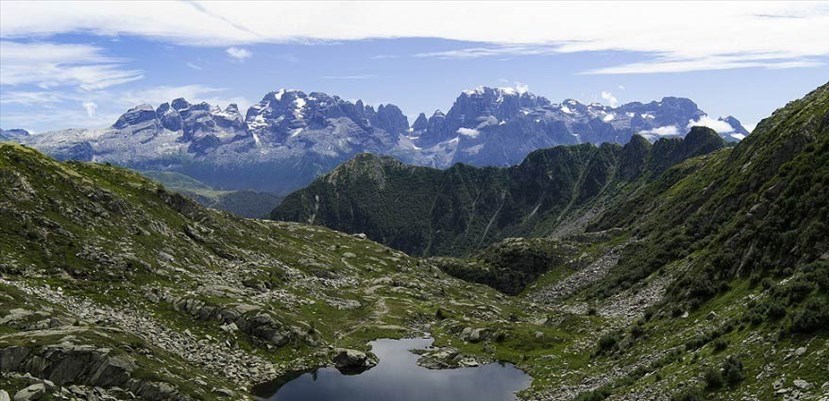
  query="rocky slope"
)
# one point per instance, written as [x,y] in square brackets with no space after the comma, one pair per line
[112,285]
[287,139]
[427,211]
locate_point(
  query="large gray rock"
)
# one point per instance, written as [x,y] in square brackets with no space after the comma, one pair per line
[444,358]
[31,393]
[4,396]
[80,364]
[351,361]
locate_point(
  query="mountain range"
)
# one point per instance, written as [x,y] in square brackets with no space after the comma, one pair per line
[287,139]
[427,211]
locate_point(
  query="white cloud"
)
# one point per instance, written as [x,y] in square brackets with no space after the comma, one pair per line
[720,126]
[194,66]
[238,53]
[469,132]
[674,36]
[350,77]
[60,108]
[667,130]
[611,100]
[50,65]
[668,65]
[64,118]
[30,98]
[91,108]
[522,87]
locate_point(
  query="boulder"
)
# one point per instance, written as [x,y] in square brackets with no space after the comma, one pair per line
[474,335]
[351,361]
[477,335]
[112,371]
[444,358]
[31,393]
[802,384]
[4,396]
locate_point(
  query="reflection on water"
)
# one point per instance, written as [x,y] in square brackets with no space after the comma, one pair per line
[398,378]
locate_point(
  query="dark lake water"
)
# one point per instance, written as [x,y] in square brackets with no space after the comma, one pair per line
[398,378]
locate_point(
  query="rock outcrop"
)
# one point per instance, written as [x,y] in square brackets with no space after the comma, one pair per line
[351,361]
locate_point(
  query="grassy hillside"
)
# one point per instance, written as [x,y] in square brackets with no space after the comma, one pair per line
[99,261]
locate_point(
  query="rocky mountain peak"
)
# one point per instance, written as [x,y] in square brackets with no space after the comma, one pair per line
[180,104]
[391,119]
[14,134]
[137,115]
[420,123]
[634,157]
[232,108]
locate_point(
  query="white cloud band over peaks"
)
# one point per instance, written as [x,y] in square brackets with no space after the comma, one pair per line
[675,36]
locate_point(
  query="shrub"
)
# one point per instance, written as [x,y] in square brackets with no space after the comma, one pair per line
[720,344]
[812,317]
[713,378]
[819,273]
[767,283]
[774,310]
[732,370]
[755,316]
[697,342]
[691,394]
[794,292]
[637,331]
[598,394]
[607,342]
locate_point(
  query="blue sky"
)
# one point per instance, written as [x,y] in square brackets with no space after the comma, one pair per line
[83,64]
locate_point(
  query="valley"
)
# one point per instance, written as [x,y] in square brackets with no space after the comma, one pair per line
[684,269]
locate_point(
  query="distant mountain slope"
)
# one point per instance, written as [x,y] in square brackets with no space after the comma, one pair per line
[449,212]
[13,135]
[290,137]
[241,203]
